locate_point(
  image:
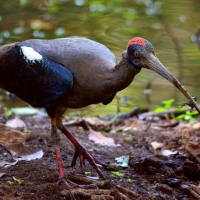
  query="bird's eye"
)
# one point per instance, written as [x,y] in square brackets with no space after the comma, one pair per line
[136,54]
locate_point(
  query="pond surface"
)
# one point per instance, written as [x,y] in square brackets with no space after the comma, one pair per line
[169,25]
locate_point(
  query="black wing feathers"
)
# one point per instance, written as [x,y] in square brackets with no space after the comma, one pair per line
[39,82]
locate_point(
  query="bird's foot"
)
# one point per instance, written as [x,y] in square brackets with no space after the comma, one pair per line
[83,155]
[69,184]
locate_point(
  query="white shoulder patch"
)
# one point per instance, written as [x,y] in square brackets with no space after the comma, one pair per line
[30,54]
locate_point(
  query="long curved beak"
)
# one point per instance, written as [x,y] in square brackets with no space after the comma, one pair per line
[155,65]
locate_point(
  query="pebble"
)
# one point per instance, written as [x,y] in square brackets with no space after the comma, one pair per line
[173,182]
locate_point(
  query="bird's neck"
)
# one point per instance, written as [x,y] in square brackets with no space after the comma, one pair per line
[124,72]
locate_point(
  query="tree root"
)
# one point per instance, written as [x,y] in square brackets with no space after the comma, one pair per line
[98,190]
[126,191]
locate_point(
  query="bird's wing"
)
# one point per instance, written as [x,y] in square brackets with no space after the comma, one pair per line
[33,77]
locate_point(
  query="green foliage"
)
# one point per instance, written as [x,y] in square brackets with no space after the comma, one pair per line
[88,173]
[129,137]
[15,180]
[168,104]
[27,131]
[129,180]
[7,112]
[10,182]
[117,174]
[187,116]
[19,181]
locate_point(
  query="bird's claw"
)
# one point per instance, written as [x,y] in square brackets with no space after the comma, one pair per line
[69,184]
[83,155]
[105,166]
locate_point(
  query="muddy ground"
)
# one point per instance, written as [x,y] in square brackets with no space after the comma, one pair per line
[152,173]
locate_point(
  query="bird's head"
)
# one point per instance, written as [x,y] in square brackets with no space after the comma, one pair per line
[140,53]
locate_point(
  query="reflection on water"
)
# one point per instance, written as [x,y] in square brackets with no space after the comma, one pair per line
[169,26]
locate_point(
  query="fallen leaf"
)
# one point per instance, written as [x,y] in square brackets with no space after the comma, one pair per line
[157,145]
[166,152]
[99,138]
[16,123]
[22,152]
[10,136]
[37,155]
[6,164]
[122,161]
[14,142]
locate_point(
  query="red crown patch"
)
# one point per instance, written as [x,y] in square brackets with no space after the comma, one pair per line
[136,40]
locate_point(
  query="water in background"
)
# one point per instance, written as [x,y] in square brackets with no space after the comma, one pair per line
[169,25]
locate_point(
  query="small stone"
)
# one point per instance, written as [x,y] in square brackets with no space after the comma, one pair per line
[173,182]
[186,188]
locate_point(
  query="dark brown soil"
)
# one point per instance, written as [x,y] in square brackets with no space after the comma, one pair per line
[150,175]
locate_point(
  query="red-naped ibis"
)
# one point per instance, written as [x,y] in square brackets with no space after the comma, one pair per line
[74,72]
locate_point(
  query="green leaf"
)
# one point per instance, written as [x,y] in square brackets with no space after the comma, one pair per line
[88,173]
[7,112]
[10,182]
[27,131]
[192,113]
[159,109]
[129,180]
[180,117]
[168,103]
[118,174]
[19,181]
[129,137]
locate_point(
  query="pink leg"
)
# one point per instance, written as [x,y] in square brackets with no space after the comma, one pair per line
[82,153]
[61,172]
